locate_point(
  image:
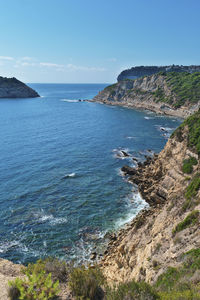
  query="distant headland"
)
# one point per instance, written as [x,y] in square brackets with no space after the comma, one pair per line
[140,71]
[13,88]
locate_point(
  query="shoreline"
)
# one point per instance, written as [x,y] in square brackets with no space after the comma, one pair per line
[181,113]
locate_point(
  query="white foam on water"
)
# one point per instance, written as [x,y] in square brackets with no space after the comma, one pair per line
[72,175]
[120,172]
[56,221]
[69,100]
[69,175]
[4,247]
[148,118]
[45,218]
[42,217]
[162,128]
[118,153]
[139,204]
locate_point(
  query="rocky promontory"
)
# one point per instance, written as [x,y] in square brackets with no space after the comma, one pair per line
[173,93]
[13,88]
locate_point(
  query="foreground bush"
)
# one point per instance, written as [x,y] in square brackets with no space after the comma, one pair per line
[181,283]
[38,283]
[85,283]
[59,269]
[132,291]
[36,286]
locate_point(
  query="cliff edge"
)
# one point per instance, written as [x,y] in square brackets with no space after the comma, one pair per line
[159,236]
[175,94]
[13,88]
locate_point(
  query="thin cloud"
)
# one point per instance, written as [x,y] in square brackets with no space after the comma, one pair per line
[83,68]
[27,58]
[51,65]
[6,58]
[28,64]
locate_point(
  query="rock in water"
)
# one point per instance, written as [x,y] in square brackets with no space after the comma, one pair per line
[128,170]
[13,88]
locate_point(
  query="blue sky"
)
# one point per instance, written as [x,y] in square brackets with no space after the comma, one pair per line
[93,40]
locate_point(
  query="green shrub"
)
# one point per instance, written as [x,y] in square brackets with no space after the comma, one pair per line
[185,86]
[59,269]
[85,283]
[132,291]
[188,165]
[167,280]
[193,124]
[37,284]
[190,220]
[192,260]
[178,283]
[159,95]
[191,192]
[193,187]
[180,295]
[111,88]
[13,291]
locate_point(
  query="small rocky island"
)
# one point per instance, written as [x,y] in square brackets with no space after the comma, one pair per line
[13,88]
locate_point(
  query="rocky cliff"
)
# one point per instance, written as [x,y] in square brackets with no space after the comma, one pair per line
[13,88]
[160,235]
[176,94]
[141,71]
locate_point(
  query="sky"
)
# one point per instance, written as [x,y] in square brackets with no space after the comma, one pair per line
[92,41]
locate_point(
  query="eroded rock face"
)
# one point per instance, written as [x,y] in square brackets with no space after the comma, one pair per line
[139,94]
[13,88]
[147,246]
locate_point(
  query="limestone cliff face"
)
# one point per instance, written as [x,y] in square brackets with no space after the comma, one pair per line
[13,88]
[141,93]
[148,245]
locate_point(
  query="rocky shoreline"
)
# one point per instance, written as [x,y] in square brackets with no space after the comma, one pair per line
[146,246]
[156,108]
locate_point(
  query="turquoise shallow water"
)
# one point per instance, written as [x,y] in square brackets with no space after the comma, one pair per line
[60,184]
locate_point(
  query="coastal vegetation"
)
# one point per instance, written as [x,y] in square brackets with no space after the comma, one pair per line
[182,282]
[37,283]
[88,283]
[188,165]
[185,86]
[191,193]
[190,220]
[193,125]
[160,96]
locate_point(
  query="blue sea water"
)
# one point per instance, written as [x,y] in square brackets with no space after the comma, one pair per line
[61,188]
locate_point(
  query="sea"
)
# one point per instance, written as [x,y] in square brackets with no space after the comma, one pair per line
[61,186]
